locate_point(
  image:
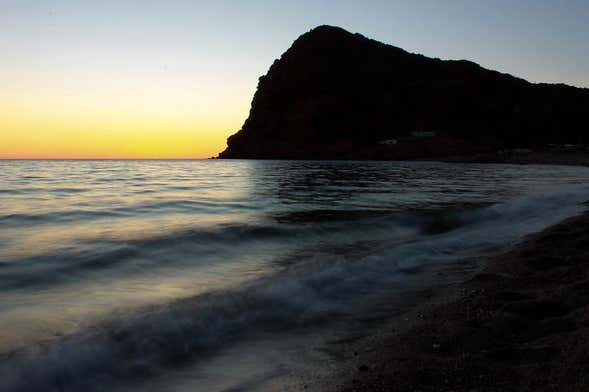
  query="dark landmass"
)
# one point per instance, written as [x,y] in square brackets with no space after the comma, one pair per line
[522,324]
[338,95]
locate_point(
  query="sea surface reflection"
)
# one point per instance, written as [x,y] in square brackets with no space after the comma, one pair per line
[87,243]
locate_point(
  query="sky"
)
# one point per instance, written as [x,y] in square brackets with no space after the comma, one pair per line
[174,78]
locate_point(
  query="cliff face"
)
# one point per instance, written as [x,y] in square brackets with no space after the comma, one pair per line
[338,95]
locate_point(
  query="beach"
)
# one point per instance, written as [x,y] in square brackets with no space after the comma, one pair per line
[520,324]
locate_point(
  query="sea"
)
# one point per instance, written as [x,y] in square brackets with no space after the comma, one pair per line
[238,275]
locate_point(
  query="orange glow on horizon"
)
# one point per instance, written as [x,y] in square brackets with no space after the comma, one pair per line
[115,140]
[172,141]
[116,127]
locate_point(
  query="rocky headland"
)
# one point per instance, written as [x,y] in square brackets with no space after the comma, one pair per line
[338,95]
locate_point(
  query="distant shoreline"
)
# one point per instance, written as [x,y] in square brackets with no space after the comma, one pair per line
[580,158]
[529,158]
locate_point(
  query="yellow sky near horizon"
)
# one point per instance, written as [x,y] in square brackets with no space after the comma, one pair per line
[112,139]
[133,121]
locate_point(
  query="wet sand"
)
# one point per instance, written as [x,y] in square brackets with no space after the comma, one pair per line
[521,324]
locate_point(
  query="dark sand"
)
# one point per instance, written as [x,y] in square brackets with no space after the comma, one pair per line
[521,324]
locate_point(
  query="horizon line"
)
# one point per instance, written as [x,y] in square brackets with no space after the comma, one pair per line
[105,159]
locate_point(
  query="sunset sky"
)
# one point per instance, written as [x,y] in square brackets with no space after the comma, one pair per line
[173,79]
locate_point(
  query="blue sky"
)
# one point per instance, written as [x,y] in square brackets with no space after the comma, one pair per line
[536,39]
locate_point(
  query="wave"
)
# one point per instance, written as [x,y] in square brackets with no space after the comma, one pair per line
[325,228]
[134,346]
[69,264]
[164,207]
[17,220]
[201,244]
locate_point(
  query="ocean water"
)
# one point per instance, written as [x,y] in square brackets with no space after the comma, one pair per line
[228,275]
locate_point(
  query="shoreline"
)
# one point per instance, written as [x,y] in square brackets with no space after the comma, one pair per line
[531,158]
[520,324]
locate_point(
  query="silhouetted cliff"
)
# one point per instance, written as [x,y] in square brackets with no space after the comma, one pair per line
[338,95]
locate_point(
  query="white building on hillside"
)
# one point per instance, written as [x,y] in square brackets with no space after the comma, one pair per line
[423,133]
